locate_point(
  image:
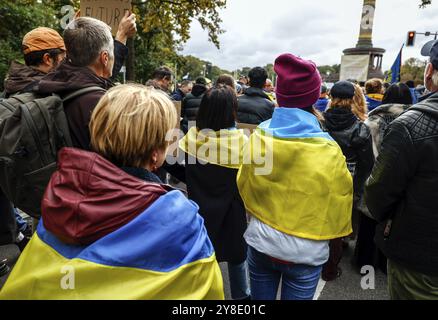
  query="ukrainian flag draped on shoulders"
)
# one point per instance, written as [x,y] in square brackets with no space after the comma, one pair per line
[161,252]
[307,191]
[223,148]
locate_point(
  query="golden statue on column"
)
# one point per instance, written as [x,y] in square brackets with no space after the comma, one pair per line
[364,49]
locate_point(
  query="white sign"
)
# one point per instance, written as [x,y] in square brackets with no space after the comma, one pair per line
[355,67]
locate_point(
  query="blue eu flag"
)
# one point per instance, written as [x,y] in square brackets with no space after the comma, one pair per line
[394,74]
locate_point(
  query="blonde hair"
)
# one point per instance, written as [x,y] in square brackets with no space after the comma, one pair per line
[131,122]
[357,105]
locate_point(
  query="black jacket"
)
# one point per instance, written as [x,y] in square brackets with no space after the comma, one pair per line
[192,101]
[402,191]
[355,140]
[214,189]
[255,107]
[190,105]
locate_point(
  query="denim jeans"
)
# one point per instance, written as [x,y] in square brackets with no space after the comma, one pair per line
[298,282]
[238,275]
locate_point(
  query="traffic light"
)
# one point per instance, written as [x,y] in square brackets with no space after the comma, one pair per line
[208,68]
[411,38]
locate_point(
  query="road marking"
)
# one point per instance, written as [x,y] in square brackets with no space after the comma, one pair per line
[319,288]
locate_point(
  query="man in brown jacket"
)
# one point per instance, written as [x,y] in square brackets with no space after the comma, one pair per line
[90,63]
[44,51]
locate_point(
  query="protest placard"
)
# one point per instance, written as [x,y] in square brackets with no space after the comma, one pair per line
[109,11]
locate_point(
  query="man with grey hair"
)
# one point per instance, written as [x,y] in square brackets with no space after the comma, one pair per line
[402,194]
[92,55]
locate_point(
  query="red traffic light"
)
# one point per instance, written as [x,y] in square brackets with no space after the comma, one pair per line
[411,38]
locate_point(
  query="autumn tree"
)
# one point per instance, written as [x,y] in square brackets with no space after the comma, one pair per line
[413,69]
[18,17]
[424,3]
[164,26]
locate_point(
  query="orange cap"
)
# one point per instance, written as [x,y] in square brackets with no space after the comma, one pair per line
[42,39]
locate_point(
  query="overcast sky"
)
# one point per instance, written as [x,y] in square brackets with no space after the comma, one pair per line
[257,31]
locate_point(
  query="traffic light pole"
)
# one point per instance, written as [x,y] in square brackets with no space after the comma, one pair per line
[412,35]
[428,34]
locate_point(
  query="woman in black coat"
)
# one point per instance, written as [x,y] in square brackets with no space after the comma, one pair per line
[213,156]
[397,99]
[343,121]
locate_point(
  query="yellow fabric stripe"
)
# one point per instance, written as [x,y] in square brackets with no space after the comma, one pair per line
[222,148]
[38,276]
[309,192]
[376,96]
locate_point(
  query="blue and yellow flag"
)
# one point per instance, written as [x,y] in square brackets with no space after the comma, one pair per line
[222,148]
[308,192]
[164,253]
[394,75]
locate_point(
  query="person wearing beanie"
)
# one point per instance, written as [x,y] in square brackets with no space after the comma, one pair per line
[344,122]
[302,198]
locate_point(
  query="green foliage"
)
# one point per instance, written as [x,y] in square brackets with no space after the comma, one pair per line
[328,70]
[18,18]
[424,3]
[194,68]
[413,69]
[164,26]
[176,16]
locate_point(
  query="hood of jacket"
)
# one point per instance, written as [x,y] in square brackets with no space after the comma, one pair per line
[392,109]
[67,78]
[88,197]
[337,119]
[428,106]
[256,92]
[21,76]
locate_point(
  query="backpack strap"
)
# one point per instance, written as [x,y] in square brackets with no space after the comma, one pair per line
[82,91]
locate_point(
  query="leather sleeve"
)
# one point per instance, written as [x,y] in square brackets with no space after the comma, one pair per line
[394,167]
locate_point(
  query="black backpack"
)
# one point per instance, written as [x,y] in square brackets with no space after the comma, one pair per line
[32,131]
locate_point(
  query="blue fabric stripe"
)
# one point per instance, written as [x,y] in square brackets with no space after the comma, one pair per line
[293,123]
[168,235]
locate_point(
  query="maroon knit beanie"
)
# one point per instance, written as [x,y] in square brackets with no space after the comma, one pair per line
[298,82]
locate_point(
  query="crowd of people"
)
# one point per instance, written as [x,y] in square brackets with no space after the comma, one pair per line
[348,162]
